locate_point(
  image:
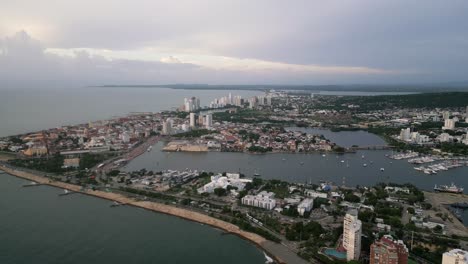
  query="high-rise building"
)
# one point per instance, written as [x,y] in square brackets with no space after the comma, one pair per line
[446,115]
[253,102]
[449,124]
[208,120]
[388,251]
[352,231]
[405,134]
[455,256]
[167,127]
[193,122]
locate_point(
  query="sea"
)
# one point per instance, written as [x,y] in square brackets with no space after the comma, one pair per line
[38,226]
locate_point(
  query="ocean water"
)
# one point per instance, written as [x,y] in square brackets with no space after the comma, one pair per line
[38,226]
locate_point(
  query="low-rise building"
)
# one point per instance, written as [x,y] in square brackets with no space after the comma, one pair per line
[388,251]
[263,200]
[455,256]
[305,206]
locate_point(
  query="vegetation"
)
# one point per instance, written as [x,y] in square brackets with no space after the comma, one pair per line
[193,133]
[53,164]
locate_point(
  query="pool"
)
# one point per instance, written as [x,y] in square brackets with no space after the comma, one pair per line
[335,253]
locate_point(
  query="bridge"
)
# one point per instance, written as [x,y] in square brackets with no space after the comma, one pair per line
[372,147]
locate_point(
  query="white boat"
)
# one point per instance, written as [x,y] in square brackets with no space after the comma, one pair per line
[323,155]
[382,169]
[268,258]
[364,165]
[342,161]
[362,157]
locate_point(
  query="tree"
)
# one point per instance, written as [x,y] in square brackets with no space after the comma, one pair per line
[220,191]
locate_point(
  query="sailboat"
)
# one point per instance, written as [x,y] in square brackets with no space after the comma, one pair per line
[256,174]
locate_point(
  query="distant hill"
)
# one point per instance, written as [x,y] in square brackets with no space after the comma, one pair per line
[436,87]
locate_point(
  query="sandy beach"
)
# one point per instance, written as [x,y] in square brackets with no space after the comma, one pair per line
[153,206]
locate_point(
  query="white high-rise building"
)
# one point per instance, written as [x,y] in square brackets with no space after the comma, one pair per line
[192,120]
[253,102]
[449,124]
[446,115]
[167,127]
[268,100]
[405,134]
[455,256]
[352,231]
[208,120]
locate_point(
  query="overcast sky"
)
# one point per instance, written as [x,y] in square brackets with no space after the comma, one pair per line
[234,42]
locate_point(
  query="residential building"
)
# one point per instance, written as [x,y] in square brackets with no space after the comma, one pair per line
[352,231]
[305,206]
[388,251]
[455,256]
[263,200]
[193,120]
[449,124]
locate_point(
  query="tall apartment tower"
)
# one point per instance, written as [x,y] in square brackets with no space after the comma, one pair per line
[388,251]
[192,120]
[352,231]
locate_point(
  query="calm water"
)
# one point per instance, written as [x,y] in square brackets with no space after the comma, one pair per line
[26,110]
[315,167]
[38,226]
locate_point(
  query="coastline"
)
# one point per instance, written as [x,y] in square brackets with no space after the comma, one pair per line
[152,206]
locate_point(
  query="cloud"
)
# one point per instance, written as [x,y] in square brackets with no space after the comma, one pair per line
[24,58]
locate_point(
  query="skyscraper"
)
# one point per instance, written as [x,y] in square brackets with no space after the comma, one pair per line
[352,231]
[388,251]
[192,120]
[209,121]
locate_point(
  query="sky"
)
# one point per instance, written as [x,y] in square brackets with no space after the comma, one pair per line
[90,42]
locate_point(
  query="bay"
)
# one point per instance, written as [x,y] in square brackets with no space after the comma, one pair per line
[38,226]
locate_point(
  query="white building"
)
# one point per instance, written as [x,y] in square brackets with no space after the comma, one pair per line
[455,256]
[167,127]
[208,121]
[192,120]
[263,200]
[315,194]
[405,134]
[219,181]
[352,231]
[449,124]
[305,206]
[444,137]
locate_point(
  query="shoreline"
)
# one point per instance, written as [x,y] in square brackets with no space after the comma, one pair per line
[229,228]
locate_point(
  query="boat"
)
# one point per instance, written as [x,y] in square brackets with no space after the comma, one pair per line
[323,155]
[284,159]
[302,163]
[382,169]
[362,157]
[342,161]
[448,188]
[364,165]
[268,258]
[149,148]
[256,174]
